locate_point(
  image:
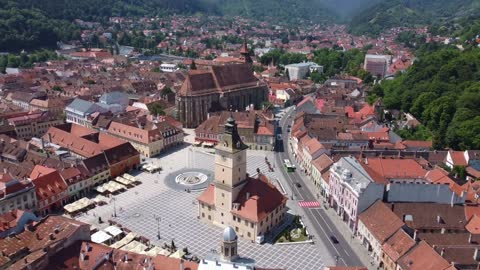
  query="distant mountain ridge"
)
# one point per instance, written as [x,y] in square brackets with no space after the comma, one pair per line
[392,13]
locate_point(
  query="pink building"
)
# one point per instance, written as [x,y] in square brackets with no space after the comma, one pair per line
[352,190]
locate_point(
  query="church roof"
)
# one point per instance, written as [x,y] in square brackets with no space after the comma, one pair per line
[218,79]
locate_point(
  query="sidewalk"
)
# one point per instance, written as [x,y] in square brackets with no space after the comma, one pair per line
[341,226]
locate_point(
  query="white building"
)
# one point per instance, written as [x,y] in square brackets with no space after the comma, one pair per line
[168,67]
[300,71]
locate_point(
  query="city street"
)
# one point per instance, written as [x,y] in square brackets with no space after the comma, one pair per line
[323,220]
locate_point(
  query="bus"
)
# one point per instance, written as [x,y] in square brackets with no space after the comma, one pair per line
[288,165]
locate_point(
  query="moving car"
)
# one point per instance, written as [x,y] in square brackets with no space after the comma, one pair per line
[334,239]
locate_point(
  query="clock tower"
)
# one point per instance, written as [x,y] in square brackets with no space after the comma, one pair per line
[230,171]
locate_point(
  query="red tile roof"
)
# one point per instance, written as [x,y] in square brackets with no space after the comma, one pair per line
[458,158]
[48,183]
[423,257]
[473,225]
[397,245]
[264,198]
[386,169]
[208,196]
[380,221]
[440,176]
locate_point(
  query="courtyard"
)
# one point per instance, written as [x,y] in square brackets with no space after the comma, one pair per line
[176,208]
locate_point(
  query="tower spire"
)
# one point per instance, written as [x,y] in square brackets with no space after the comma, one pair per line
[245,52]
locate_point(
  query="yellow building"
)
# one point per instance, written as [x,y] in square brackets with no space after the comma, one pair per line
[252,206]
[149,139]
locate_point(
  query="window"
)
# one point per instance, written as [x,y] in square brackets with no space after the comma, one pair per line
[249,234]
[223,195]
[203,215]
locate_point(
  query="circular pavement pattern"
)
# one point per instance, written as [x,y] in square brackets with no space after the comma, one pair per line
[191,179]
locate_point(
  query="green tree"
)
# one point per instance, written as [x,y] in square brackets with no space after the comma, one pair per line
[155,109]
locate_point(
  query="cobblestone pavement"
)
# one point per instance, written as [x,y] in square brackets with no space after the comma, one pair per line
[178,212]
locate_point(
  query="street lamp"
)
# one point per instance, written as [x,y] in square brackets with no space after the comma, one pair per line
[114,207]
[158,219]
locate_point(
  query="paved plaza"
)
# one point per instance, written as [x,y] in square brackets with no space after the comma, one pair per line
[136,210]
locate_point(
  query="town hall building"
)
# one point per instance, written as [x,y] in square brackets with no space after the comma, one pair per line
[252,206]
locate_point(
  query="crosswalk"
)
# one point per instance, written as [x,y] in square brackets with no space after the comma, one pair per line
[309,204]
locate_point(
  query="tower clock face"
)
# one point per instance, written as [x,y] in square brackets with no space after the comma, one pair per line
[224,158]
[239,158]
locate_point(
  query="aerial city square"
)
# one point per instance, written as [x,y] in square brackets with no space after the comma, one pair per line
[221,134]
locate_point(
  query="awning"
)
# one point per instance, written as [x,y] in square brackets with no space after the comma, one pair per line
[113,230]
[78,205]
[178,254]
[111,187]
[129,177]
[127,239]
[134,246]
[123,181]
[156,251]
[100,237]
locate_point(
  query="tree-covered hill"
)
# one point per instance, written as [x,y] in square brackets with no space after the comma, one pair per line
[442,90]
[28,24]
[388,14]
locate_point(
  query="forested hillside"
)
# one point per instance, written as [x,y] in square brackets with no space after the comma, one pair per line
[442,89]
[30,24]
[388,14]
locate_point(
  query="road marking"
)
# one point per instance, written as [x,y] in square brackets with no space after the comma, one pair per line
[327,236]
[348,254]
[309,204]
[324,221]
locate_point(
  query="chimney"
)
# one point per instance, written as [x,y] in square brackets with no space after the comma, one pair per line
[51,236]
[476,255]
[415,235]
[442,252]
[87,246]
[470,238]
[182,267]
[82,256]
[49,137]
[125,258]
[248,195]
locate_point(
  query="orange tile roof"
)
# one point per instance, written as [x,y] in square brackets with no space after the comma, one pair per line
[458,158]
[48,183]
[394,168]
[313,146]
[380,221]
[420,144]
[322,163]
[472,210]
[264,198]
[397,245]
[473,225]
[440,176]
[208,196]
[423,257]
